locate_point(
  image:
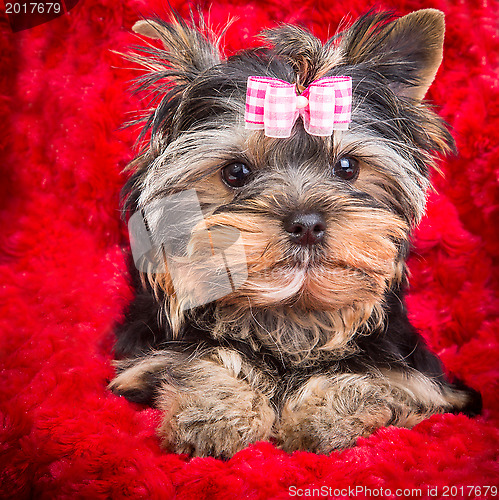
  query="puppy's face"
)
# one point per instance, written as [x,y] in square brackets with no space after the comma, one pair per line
[322,222]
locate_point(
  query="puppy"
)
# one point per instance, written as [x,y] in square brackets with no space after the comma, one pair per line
[270,215]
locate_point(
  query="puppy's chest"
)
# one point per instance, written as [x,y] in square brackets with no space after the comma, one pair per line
[287,356]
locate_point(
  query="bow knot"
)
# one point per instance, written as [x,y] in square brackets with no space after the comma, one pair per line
[272,105]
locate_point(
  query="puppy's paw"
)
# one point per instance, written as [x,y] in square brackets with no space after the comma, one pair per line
[216,423]
[210,408]
[325,416]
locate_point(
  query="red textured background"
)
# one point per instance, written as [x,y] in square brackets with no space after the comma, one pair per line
[63,280]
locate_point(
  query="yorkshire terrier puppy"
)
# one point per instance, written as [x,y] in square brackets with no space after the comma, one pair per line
[270,216]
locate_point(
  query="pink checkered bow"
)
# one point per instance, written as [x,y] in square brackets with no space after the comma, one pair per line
[272,105]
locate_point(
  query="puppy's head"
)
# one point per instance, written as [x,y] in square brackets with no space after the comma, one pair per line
[316,223]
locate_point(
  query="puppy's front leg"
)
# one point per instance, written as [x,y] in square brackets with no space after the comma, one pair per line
[214,403]
[330,411]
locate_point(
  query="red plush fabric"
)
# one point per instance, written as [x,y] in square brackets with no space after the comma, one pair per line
[63,280]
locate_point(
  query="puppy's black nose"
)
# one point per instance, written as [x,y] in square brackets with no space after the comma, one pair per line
[305,228]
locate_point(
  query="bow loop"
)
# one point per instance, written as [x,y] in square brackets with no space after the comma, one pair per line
[273,106]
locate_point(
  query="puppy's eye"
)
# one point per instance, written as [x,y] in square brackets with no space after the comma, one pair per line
[346,168]
[236,175]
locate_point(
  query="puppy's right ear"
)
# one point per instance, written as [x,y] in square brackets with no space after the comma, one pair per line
[189,49]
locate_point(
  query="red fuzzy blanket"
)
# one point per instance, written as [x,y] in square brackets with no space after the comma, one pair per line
[63,280]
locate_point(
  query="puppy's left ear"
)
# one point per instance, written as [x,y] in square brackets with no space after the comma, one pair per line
[407,51]
[419,39]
